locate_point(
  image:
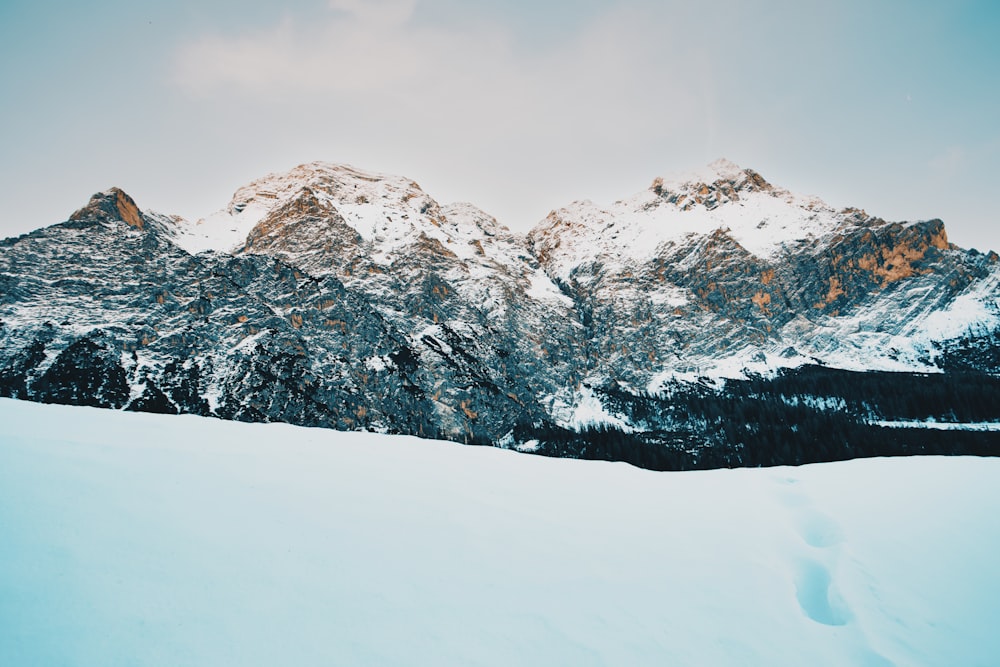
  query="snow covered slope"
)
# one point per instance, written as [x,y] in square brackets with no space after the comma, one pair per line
[765,220]
[166,540]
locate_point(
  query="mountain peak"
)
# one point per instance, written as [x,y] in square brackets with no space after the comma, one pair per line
[111,204]
[725,169]
[722,176]
[341,182]
[363,199]
[720,199]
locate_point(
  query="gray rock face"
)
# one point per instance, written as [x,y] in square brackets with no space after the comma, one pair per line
[350,300]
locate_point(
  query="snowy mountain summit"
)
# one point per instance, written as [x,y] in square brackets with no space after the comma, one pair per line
[364,201]
[766,221]
[333,296]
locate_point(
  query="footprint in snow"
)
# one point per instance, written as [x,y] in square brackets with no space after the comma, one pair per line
[817,529]
[815,595]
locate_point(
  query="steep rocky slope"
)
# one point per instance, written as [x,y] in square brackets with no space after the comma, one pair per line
[337,297]
[721,271]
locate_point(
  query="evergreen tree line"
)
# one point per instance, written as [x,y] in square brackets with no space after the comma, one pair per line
[807,415]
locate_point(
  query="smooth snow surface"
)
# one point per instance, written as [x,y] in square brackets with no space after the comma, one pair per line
[151,540]
[221,231]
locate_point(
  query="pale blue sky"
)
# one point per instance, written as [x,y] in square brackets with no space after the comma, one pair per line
[517,106]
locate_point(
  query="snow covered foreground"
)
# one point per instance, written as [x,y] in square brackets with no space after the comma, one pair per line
[151,540]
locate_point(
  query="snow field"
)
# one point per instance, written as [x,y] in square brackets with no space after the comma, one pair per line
[155,540]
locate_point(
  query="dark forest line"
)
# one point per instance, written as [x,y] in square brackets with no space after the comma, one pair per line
[810,414]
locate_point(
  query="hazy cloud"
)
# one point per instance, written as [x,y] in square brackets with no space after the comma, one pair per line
[470,106]
[521,107]
[391,12]
[606,78]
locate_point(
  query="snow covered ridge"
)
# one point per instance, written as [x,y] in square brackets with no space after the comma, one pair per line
[764,220]
[364,199]
[152,540]
[333,296]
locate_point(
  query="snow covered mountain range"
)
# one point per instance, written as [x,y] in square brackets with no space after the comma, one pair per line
[337,297]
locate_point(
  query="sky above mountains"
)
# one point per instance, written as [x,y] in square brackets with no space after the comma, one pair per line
[519,107]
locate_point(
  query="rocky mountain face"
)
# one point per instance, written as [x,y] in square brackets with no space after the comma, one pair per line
[335,297]
[725,270]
